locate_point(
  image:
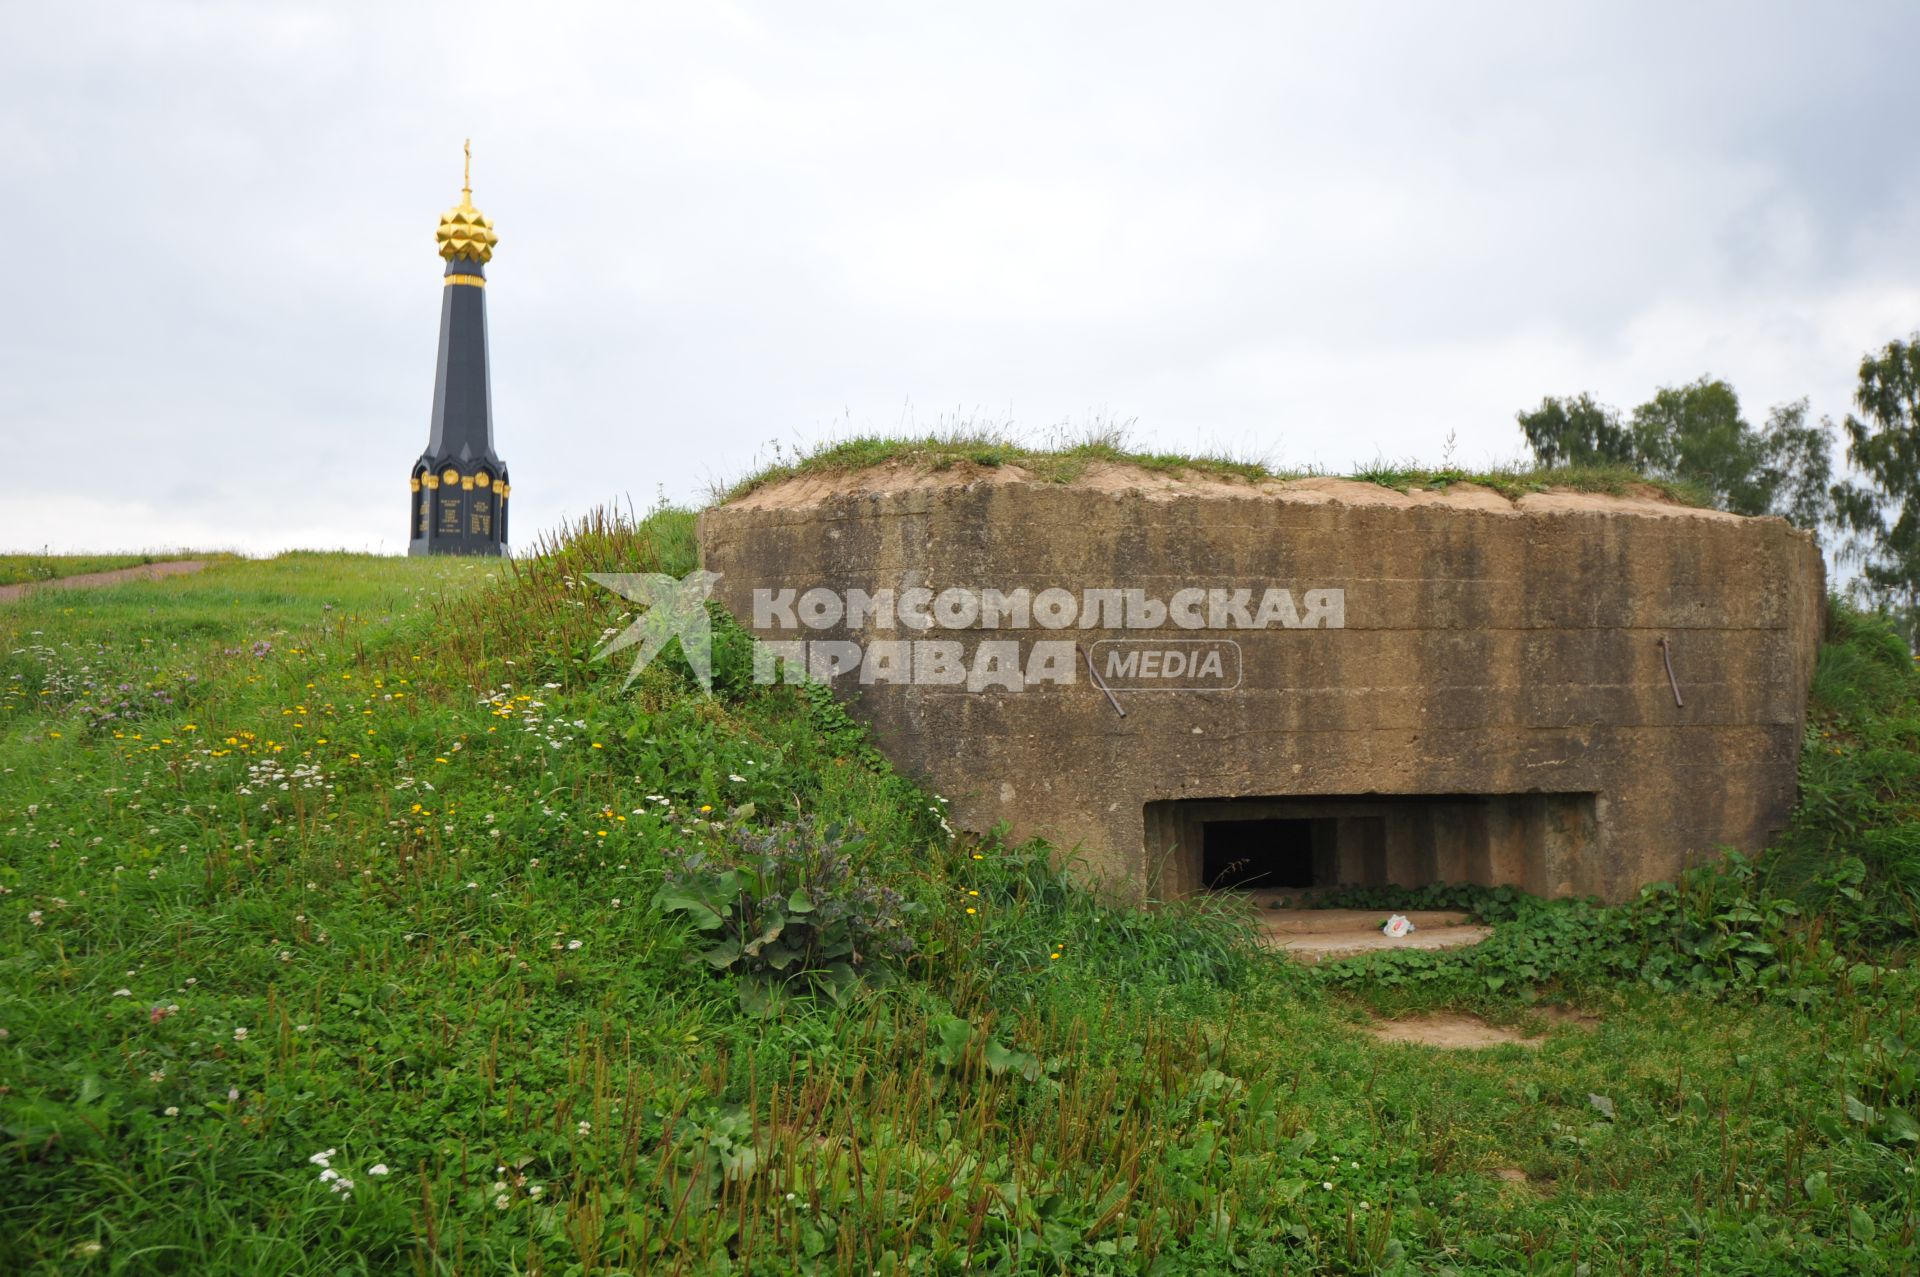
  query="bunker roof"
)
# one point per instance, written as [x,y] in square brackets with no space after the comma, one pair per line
[1499,493]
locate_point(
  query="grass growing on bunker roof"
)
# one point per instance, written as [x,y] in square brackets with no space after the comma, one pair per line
[1518,480]
[1063,457]
[352,922]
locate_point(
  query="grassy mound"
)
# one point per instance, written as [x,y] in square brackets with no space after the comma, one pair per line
[358,920]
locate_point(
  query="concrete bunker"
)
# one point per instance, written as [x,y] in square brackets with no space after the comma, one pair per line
[1185,679]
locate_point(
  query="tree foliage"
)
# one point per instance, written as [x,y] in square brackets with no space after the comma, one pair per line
[1883,514]
[1696,434]
[1576,431]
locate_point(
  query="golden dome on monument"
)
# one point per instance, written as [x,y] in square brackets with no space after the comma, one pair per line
[464,230]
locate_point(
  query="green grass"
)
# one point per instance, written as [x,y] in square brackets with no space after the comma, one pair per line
[1514,482]
[17,569]
[392,820]
[1860,776]
[1065,458]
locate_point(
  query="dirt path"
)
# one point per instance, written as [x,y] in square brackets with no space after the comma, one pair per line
[88,580]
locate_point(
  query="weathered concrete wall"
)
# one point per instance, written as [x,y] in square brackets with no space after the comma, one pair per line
[1489,648]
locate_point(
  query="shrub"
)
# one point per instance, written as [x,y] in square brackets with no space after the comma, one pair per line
[790,908]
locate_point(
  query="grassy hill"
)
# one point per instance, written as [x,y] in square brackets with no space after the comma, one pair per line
[330,870]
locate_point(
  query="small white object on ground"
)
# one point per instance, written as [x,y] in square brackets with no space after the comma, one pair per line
[1397,926]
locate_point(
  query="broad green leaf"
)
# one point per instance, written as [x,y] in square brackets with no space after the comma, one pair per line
[698,911]
[722,955]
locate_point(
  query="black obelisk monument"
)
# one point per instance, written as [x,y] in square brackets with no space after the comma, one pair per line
[459,485]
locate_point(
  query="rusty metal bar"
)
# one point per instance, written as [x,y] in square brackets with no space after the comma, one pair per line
[1666,655]
[1099,682]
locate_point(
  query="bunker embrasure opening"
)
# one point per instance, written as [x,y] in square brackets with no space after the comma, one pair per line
[1312,844]
[1266,854]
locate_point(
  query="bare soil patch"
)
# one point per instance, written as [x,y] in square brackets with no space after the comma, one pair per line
[1453,1032]
[1450,1032]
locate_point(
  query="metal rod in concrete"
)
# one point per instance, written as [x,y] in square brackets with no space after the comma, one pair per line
[1101,683]
[1666,654]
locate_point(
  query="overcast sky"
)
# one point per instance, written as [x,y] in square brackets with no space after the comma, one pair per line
[1316,235]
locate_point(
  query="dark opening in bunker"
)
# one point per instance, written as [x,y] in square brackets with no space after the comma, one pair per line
[1310,844]
[1262,854]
